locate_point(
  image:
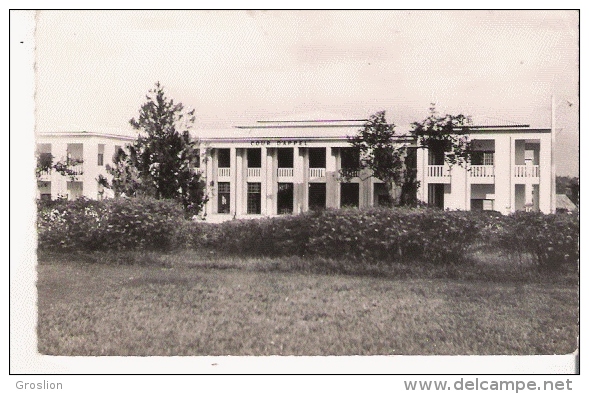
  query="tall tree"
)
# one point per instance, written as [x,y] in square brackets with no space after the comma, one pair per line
[163,161]
[446,136]
[381,153]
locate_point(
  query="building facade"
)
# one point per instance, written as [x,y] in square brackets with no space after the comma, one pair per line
[89,152]
[286,167]
[275,168]
[510,171]
[289,167]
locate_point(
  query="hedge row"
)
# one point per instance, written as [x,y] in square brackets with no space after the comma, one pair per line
[383,235]
[113,224]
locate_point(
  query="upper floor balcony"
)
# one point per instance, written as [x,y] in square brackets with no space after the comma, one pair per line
[316,173]
[285,172]
[75,169]
[438,173]
[254,172]
[481,173]
[350,172]
[223,172]
[526,171]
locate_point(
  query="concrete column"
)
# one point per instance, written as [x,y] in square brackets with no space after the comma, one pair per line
[272,182]
[58,182]
[233,185]
[529,187]
[299,180]
[455,199]
[365,192]
[214,180]
[90,168]
[503,174]
[331,173]
[305,187]
[421,175]
[208,170]
[264,182]
[240,182]
[514,160]
[545,188]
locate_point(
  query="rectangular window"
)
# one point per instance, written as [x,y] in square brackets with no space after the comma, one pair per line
[224,197]
[100,154]
[285,158]
[480,158]
[481,205]
[224,158]
[435,157]
[350,158]
[254,198]
[350,195]
[488,158]
[254,158]
[317,195]
[285,198]
[316,157]
[381,195]
[46,197]
[436,195]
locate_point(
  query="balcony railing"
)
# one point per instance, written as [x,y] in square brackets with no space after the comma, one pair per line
[482,171]
[436,171]
[224,172]
[254,172]
[350,172]
[286,172]
[316,172]
[77,169]
[45,173]
[524,171]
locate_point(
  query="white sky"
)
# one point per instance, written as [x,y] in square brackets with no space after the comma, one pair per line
[235,67]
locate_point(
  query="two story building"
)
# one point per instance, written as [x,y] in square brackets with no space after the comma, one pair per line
[86,153]
[291,166]
[283,167]
[510,170]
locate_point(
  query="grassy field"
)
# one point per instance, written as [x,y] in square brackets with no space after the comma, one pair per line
[180,304]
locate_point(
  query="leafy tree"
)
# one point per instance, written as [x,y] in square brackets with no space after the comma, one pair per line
[381,153]
[445,135]
[65,167]
[569,186]
[163,162]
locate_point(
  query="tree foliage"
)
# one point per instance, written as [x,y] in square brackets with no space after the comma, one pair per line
[569,186]
[381,153]
[163,162]
[66,167]
[445,134]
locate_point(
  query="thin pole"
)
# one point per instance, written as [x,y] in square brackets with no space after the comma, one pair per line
[552,164]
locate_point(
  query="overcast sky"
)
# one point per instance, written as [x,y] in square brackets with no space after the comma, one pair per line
[234,67]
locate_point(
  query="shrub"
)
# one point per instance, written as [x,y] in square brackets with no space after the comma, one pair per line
[552,240]
[114,224]
[279,236]
[393,234]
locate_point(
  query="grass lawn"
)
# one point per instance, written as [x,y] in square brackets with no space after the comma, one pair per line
[188,306]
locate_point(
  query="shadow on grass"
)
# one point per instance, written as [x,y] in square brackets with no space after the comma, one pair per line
[482,265]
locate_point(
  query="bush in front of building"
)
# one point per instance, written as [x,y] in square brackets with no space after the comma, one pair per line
[367,236]
[114,224]
[394,235]
[276,236]
[551,240]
